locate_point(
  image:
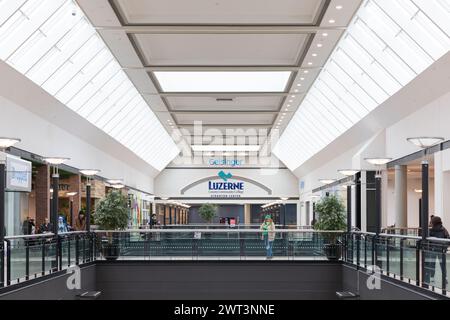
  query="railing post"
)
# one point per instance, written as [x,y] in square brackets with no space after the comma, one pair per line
[387,255]
[43,255]
[419,257]
[84,249]
[401,258]
[77,248]
[358,252]
[27,258]
[2,263]
[8,262]
[59,252]
[374,250]
[444,271]
[365,251]
[68,250]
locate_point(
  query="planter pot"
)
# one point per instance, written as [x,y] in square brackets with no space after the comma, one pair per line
[110,251]
[333,251]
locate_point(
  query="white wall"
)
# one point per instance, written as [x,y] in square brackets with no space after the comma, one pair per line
[48,128]
[170,182]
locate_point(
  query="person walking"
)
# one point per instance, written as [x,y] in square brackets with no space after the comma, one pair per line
[435,250]
[80,221]
[268,235]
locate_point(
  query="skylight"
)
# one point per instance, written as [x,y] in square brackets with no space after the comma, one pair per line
[230,148]
[386,46]
[52,43]
[229,81]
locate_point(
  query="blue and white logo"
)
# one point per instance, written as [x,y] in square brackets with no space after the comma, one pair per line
[226,185]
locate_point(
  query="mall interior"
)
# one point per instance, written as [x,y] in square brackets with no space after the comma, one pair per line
[187,149]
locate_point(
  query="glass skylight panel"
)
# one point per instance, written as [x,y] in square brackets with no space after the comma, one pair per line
[387,45]
[231,81]
[61,52]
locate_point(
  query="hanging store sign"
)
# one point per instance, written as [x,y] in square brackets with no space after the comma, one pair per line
[18,174]
[225,162]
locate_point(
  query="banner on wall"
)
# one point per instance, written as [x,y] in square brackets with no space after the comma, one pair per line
[18,174]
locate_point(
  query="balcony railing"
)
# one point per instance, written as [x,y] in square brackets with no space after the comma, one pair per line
[407,258]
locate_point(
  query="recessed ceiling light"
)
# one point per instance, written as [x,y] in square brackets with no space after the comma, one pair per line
[288,105]
[286,109]
[306,71]
[290,100]
[284,114]
[292,96]
[325,34]
[237,148]
[331,21]
[309,63]
[319,45]
[314,54]
[296,90]
[339,7]
[301,79]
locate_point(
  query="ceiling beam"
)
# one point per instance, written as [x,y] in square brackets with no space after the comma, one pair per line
[224,94]
[222,111]
[221,29]
[221,68]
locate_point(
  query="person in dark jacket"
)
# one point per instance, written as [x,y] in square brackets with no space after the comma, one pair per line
[435,250]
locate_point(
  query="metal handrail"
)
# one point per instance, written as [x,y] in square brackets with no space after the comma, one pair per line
[216,231]
[28,236]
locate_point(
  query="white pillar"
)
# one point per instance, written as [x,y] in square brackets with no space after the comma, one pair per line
[401,196]
[299,208]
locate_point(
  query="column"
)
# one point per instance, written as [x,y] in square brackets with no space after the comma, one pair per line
[247,213]
[42,187]
[75,186]
[401,196]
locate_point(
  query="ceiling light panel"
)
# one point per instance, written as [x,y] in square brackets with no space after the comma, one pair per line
[387,45]
[210,81]
[52,43]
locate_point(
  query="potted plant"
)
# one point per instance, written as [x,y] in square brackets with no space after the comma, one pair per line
[331,212]
[111,213]
[207,212]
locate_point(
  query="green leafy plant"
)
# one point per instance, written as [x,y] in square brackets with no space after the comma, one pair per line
[207,211]
[332,216]
[111,213]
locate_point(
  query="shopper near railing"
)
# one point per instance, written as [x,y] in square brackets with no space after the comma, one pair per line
[435,250]
[80,221]
[46,227]
[268,235]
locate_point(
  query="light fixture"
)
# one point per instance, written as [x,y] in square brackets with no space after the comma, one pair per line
[222,81]
[325,34]
[378,161]
[296,90]
[71,194]
[348,172]
[284,198]
[314,54]
[164,198]
[118,186]
[231,148]
[89,172]
[418,190]
[51,190]
[114,181]
[302,79]
[8,142]
[309,63]
[425,142]
[292,96]
[55,160]
[331,21]
[306,71]
[327,181]
[319,45]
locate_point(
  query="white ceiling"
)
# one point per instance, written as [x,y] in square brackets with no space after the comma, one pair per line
[221,35]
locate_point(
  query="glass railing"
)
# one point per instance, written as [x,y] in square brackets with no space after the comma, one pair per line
[32,256]
[406,258]
[217,244]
